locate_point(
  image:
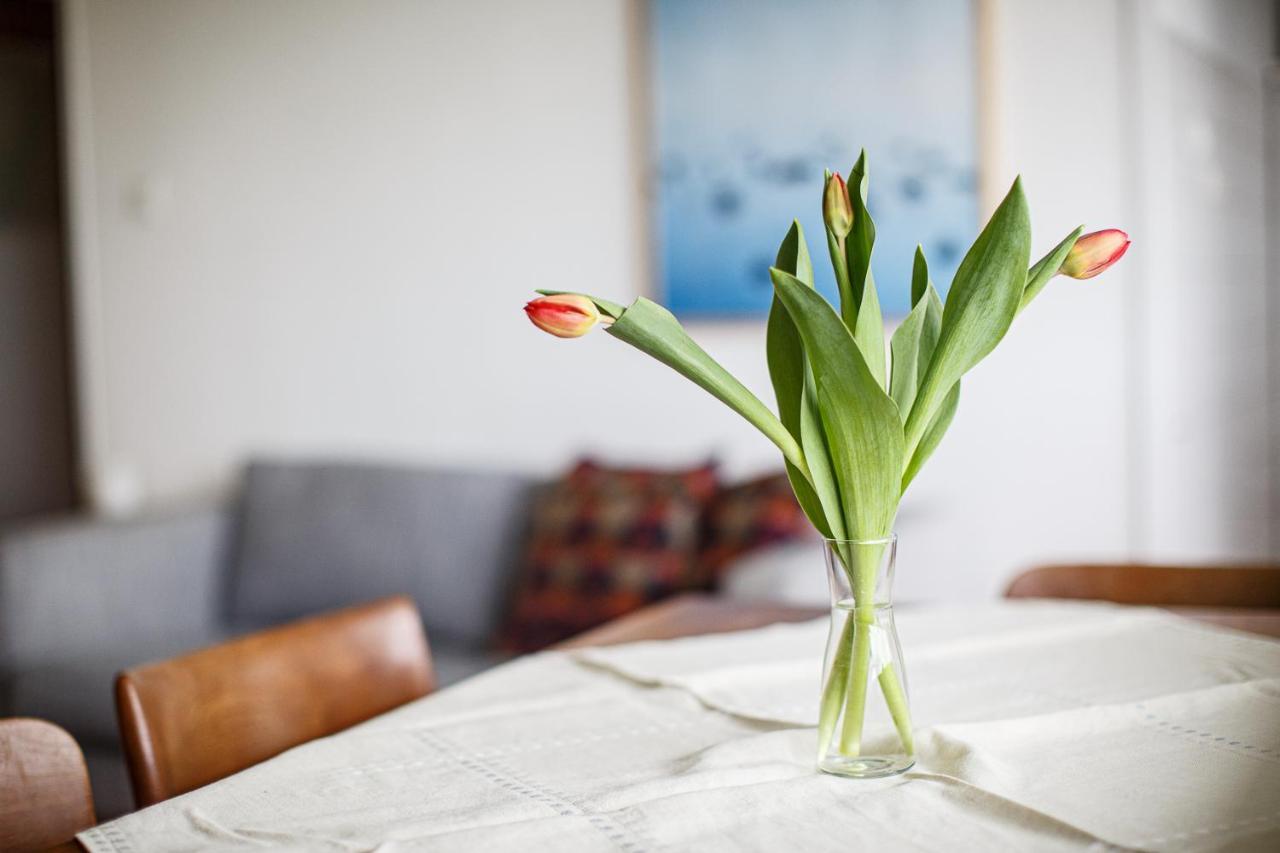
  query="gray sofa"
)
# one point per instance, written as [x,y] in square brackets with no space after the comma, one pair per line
[81,599]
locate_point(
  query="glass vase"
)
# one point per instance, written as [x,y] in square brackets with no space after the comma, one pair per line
[864,719]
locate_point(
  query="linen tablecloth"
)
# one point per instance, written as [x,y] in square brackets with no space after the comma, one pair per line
[1040,726]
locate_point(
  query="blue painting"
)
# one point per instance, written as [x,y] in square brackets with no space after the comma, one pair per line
[752,100]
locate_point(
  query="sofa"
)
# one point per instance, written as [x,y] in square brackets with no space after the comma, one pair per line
[83,598]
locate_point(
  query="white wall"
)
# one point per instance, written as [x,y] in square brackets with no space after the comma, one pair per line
[1206,457]
[1035,467]
[309,228]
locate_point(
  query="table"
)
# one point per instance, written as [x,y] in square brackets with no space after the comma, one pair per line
[690,615]
[1040,725]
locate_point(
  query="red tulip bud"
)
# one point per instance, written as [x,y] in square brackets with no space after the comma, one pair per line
[565,315]
[837,212]
[1094,252]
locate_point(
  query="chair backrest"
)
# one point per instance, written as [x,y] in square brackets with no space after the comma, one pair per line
[44,786]
[197,718]
[1255,586]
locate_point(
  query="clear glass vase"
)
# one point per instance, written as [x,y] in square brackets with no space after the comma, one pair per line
[864,719]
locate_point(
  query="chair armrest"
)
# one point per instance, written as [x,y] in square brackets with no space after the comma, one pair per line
[79,588]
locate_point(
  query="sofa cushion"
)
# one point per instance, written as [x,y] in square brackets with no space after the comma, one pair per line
[453,663]
[792,573]
[74,587]
[747,516]
[109,776]
[78,693]
[604,542]
[315,537]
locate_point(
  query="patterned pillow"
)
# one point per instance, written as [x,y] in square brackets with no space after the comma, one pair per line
[604,542]
[747,516]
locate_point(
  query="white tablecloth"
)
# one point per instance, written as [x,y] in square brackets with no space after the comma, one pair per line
[1040,726]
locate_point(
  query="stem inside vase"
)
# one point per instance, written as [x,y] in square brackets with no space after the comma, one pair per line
[863,643]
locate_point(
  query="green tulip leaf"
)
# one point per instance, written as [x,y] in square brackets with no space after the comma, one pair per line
[868,333]
[905,348]
[920,281]
[653,330]
[789,371]
[929,334]
[932,436]
[913,341]
[863,316]
[859,419]
[1047,267]
[817,452]
[980,307]
[905,343]
[862,238]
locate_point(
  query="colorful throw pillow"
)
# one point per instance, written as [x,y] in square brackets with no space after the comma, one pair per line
[748,516]
[602,543]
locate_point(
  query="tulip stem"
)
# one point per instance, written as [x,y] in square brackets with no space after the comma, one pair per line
[864,619]
[850,670]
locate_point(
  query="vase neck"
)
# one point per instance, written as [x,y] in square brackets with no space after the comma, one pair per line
[860,573]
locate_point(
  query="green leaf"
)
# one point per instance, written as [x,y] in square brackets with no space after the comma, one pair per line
[868,333]
[859,419]
[980,307]
[788,370]
[862,314]
[929,334]
[784,350]
[914,340]
[813,440]
[905,346]
[652,329]
[793,254]
[920,281]
[1047,267]
[933,435]
[861,240]
[905,343]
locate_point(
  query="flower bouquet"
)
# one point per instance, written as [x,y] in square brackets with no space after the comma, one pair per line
[856,419]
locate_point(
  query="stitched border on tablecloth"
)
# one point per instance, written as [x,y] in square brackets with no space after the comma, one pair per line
[110,835]
[391,766]
[683,721]
[1273,819]
[564,805]
[1198,735]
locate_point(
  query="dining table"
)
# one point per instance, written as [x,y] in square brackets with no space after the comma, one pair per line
[1039,725]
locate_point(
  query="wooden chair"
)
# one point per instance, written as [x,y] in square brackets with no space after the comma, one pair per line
[1239,596]
[197,718]
[44,786]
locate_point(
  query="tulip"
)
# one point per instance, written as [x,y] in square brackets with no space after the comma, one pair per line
[565,315]
[837,212]
[1094,252]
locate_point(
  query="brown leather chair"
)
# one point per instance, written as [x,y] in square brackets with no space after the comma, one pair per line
[1239,596]
[44,786]
[197,718]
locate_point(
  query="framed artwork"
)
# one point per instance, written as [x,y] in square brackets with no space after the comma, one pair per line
[752,100]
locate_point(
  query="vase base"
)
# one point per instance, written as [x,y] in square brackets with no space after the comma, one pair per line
[866,766]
